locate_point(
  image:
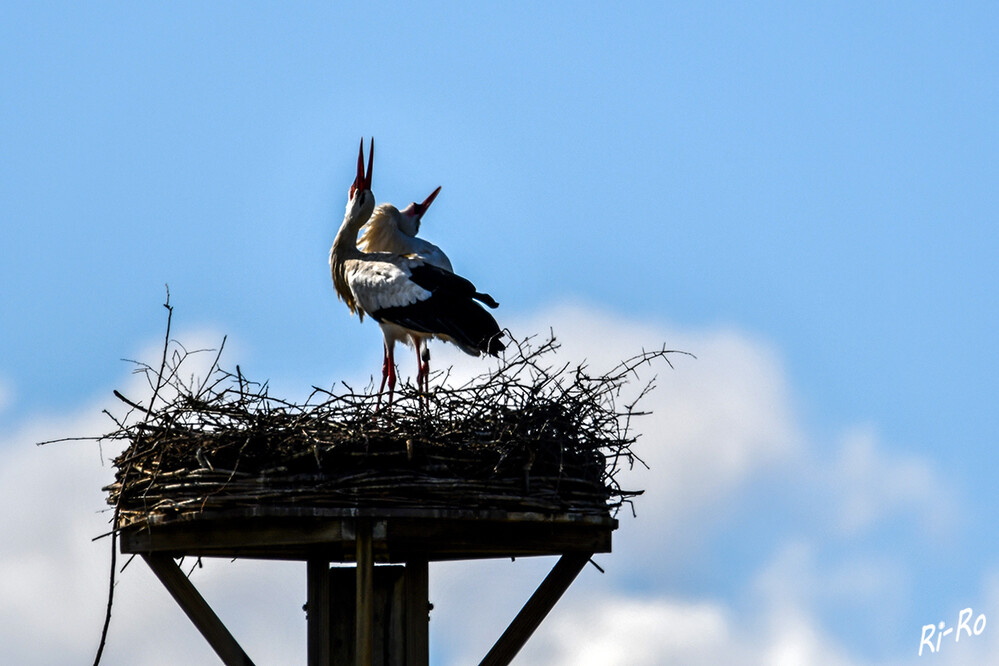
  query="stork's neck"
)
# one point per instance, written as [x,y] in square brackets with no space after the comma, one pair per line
[345,243]
[345,246]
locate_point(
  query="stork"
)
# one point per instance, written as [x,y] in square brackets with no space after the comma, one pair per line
[392,230]
[405,294]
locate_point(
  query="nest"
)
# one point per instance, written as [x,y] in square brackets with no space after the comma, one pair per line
[526,436]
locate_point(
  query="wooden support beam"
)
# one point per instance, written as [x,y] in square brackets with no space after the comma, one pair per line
[365,594]
[318,612]
[201,614]
[537,607]
[401,534]
[417,581]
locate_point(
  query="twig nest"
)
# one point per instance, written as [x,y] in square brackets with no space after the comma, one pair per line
[527,436]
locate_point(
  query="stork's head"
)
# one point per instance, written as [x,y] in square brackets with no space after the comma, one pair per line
[411,215]
[360,198]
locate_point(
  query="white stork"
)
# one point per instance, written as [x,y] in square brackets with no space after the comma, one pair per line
[405,294]
[392,230]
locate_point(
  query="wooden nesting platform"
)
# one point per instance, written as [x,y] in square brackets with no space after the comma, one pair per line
[520,461]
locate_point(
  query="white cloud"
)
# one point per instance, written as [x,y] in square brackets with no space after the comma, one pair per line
[622,631]
[721,425]
[193,352]
[795,577]
[874,484]
[650,631]
[596,624]
[793,638]
[54,577]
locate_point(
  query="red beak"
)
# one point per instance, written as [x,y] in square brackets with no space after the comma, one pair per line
[420,209]
[362,181]
[371,160]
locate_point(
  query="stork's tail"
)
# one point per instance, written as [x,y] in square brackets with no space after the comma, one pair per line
[485,299]
[475,331]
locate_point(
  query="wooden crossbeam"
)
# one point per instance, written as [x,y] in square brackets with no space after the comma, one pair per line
[439,535]
[536,609]
[201,614]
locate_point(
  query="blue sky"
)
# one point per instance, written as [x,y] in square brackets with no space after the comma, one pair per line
[816,184]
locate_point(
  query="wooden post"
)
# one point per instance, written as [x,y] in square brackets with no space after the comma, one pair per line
[318,611]
[201,614]
[365,593]
[537,607]
[417,608]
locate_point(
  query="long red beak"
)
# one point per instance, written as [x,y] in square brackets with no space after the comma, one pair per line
[363,181]
[420,209]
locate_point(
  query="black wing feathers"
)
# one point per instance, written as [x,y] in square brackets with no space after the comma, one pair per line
[451,310]
[433,278]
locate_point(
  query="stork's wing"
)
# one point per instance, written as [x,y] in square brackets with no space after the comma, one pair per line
[435,279]
[449,310]
[384,281]
[432,254]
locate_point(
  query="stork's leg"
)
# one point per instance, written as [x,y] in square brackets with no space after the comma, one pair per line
[419,369]
[422,367]
[425,359]
[420,378]
[390,357]
[386,370]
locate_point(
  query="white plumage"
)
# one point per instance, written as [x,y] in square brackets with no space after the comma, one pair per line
[410,297]
[384,280]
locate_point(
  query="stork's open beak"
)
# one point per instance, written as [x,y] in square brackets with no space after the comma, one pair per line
[362,181]
[420,209]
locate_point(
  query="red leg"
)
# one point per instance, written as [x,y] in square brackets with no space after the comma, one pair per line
[385,372]
[390,357]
